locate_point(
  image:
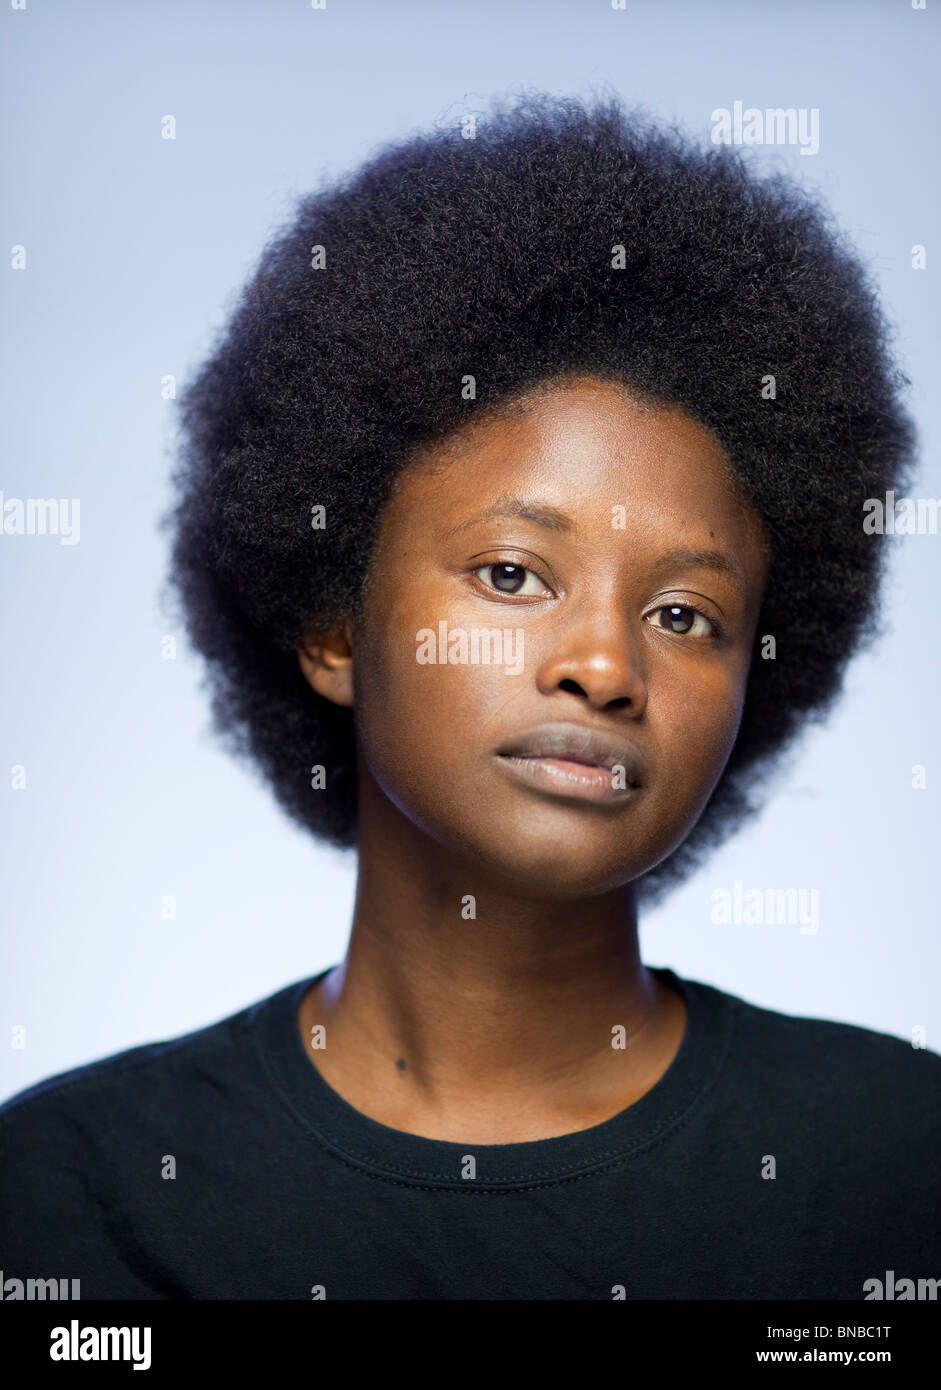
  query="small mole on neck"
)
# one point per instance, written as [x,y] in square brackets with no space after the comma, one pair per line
[401,1064]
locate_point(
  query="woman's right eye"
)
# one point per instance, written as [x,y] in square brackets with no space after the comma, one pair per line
[511,579]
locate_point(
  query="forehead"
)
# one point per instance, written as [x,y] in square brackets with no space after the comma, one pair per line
[584,448]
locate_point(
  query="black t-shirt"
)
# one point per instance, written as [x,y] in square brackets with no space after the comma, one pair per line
[280,1189]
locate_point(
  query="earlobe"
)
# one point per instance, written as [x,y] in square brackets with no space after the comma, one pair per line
[326,660]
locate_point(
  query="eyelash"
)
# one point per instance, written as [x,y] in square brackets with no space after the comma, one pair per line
[716,626]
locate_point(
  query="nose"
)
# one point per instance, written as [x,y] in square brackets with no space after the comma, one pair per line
[597,657]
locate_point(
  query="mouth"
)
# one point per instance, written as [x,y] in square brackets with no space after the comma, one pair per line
[572,761]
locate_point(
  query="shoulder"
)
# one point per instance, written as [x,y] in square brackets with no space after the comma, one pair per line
[134,1091]
[834,1075]
[848,1046]
[84,1153]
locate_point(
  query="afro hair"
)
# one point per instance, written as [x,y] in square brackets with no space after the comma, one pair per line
[562,238]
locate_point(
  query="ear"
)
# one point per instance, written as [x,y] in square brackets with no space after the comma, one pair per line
[326,660]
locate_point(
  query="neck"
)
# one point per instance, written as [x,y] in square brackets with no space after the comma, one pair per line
[462,1011]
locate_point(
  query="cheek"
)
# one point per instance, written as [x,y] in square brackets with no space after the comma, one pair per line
[418,722]
[696,724]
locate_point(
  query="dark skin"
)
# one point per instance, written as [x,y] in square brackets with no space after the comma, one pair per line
[498,1028]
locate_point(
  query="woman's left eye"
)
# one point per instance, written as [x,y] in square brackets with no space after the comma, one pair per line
[682,619]
[511,579]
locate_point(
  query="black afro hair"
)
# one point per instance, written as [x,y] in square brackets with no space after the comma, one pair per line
[494,256]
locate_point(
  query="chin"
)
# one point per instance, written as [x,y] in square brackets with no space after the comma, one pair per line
[552,872]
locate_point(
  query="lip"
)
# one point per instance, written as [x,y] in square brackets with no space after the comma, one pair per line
[572,760]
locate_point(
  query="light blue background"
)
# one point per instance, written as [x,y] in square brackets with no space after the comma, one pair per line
[136,248]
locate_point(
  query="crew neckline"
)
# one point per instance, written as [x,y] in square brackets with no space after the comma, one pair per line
[414,1160]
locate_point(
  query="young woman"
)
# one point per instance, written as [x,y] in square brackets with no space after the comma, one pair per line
[520,525]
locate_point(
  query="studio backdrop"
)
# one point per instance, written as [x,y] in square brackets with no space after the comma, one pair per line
[150,884]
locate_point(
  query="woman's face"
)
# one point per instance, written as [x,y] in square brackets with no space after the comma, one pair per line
[603,542]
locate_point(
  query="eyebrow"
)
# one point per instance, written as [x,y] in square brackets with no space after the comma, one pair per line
[717,560]
[524,507]
[544,515]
